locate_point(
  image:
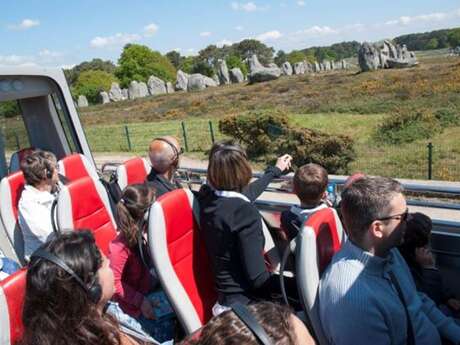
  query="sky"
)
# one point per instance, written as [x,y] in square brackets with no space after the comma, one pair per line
[62,33]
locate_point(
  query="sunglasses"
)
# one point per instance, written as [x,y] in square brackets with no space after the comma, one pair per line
[402,216]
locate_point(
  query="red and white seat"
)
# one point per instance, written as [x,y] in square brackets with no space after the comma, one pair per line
[319,239]
[134,170]
[180,258]
[84,204]
[12,292]
[77,166]
[11,188]
[16,158]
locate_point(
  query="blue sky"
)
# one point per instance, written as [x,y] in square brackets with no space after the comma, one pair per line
[63,33]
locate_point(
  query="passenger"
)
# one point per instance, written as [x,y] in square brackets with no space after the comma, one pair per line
[416,250]
[130,262]
[41,176]
[164,153]
[367,294]
[310,182]
[232,226]
[280,325]
[68,285]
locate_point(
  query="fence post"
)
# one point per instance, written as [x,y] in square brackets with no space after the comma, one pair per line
[211,130]
[16,137]
[430,160]
[128,139]
[184,133]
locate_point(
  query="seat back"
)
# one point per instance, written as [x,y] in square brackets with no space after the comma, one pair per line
[84,204]
[180,258]
[12,293]
[16,158]
[132,171]
[319,239]
[76,166]
[11,188]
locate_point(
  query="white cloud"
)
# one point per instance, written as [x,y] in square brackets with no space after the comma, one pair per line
[246,7]
[431,17]
[14,59]
[318,30]
[205,34]
[25,24]
[49,54]
[269,36]
[150,30]
[239,28]
[301,3]
[224,42]
[114,40]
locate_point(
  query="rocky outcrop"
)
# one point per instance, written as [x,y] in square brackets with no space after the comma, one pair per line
[196,82]
[222,72]
[236,76]
[104,97]
[115,94]
[368,57]
[156,86]
[209,82]
[387,55]
[134,90]
[286,68]
[258,73]
[143,89]
[181,81]
[82,102]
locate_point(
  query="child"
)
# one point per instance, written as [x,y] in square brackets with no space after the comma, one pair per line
[416,250]
[310,183]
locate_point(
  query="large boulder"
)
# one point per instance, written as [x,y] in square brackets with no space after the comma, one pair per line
[316,67]
[115,93]
[259,73]
[343,64]
[134,90]
[104,97]
[236,76]
[156,86]
[368,57]
[82,102]
[222,72]
[209,82]
[143,89]
[299,68]
[169,87]
[125,93]
[196,82]
[307,67]
[215,77]
[181,81]
[286,68]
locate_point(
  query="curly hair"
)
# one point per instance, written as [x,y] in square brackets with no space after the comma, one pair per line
[57,310]
[135,201]
[228,329]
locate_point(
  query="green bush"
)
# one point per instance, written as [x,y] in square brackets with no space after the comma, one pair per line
[235,61]
[138,62]
[9,109]
[202,67]
[448,117]
[267,135]
[407,126]
[91,83]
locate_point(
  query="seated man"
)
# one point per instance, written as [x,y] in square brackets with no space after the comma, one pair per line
[367,294]
[310,182]
[40,172]
[164,155]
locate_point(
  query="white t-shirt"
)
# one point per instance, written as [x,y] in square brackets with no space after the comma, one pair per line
[35,218]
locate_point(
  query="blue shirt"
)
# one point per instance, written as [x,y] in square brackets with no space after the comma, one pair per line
[359,304]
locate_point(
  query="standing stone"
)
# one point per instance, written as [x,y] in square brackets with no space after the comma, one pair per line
[273,65]
[134,90]
[209,82]
[196,82]
[344,64]
[222,72]
[308,67]
[143,89]
[368,57]
[82,101]
[390,49]
[317,67]
[259,73]
[299,68]
[125,93]
[215,77]
[156,86]
[115,93]
[254,64]
[236,76]
[169,87]
[286,68]
[181,81]
[104,97]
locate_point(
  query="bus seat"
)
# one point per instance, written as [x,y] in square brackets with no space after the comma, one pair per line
[76,166]
[12,293]
[180,258]
[84,204]
[11,188]
[16,158]
[134,170]
[319,239]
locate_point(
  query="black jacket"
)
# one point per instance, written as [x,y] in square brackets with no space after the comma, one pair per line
[161,185]
[232,230]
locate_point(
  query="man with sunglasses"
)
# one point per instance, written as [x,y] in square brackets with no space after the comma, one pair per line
[367,294]
[164,154]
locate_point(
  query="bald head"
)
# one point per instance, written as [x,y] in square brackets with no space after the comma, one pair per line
[163,155]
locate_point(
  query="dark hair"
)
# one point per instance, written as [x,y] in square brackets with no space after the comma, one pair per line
[134,202]
[228,167]
[228,329]
[310,182]
[365,200]
[37,166]
[417,235]
[56,309]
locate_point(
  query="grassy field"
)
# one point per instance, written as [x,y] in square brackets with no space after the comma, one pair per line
[342,102]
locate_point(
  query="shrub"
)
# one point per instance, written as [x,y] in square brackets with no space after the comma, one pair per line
[268,134]
[9,109]
[235,61]
[407,126]
[91,83]
[448,117]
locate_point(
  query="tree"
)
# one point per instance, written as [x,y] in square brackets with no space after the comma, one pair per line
[235,61]
[432,44]
[295,56]
[138,62]
[280,57]
[91,83]
[246,48]
[187,64]
[454,38]
[202,67]
[93,65]
[175,58]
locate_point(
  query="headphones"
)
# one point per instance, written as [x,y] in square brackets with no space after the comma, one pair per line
[94,292]
[173,147]
[250,321]
[231,147]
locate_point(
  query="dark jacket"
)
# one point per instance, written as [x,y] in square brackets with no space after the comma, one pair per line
[232,230]
[161,185]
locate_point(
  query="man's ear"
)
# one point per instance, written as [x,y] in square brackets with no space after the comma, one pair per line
[376,229]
